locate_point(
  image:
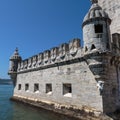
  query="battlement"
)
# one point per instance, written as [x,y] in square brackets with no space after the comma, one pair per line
[65,52]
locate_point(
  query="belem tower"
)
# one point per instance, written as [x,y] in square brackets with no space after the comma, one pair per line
[72,78]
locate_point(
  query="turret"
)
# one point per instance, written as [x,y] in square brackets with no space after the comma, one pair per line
[96,32]
[14,59]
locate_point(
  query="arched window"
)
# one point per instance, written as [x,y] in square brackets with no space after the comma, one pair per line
[93,47]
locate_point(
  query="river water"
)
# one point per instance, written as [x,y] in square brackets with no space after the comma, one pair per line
[16,111]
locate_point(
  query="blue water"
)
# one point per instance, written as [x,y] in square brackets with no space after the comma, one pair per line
[16,111]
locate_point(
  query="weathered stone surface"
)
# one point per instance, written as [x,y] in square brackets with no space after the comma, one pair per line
[72,79]
[75,113]
[112,7]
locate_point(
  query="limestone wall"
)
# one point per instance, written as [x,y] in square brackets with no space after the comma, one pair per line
[69,76]
[112,7]
[105,67]
[84,91]
[76,83]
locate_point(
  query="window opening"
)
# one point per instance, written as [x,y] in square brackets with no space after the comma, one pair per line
[26,87]
[49,89]
[86,49]
[98,28]
[67,90]
[19,86]
[93,47]
[36,88]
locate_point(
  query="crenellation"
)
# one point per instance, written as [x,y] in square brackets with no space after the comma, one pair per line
[40,59]
[25,63]
[54,53]
[29,63]
[64,52]
[19,66]
[63,49]
[34,62]
[22,65]
[74,45]
[46,55]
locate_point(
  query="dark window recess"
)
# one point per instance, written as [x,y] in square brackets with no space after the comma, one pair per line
[48,88]
[111,62]
[36,87]
[119,43]
[93,47]
[98,28]
[107,46]
[86,49]
[26,87]
[67,88]
[19,87]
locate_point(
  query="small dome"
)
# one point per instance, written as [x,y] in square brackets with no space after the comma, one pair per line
[15,55]
[95,12]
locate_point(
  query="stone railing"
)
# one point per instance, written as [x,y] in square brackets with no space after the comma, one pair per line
[64,52]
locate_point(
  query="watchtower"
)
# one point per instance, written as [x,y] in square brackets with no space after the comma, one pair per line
[96,32]
[15,58]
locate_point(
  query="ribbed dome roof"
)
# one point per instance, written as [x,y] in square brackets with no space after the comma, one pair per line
[95,12]
[16,55]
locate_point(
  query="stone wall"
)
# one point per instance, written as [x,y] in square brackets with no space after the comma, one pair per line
[68,76]
[84,91]
[88,81]
[105,66]
[112,7]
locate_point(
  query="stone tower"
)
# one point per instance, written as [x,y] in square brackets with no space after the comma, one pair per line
[15,58]
[96,29]
[112,7]
[102,55]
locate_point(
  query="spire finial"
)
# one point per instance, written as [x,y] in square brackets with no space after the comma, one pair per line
[16,49]
[94,1]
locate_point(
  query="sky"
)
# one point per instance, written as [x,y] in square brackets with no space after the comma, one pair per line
[38,25]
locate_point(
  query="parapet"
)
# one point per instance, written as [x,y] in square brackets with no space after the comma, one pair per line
[54,53]
[46,56]
[65,52]
[63,49]
[73,46]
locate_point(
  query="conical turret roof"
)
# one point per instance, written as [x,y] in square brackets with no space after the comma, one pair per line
[16,55]
[95,12]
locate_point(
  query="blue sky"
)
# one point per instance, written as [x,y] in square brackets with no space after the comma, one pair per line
[37,25]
